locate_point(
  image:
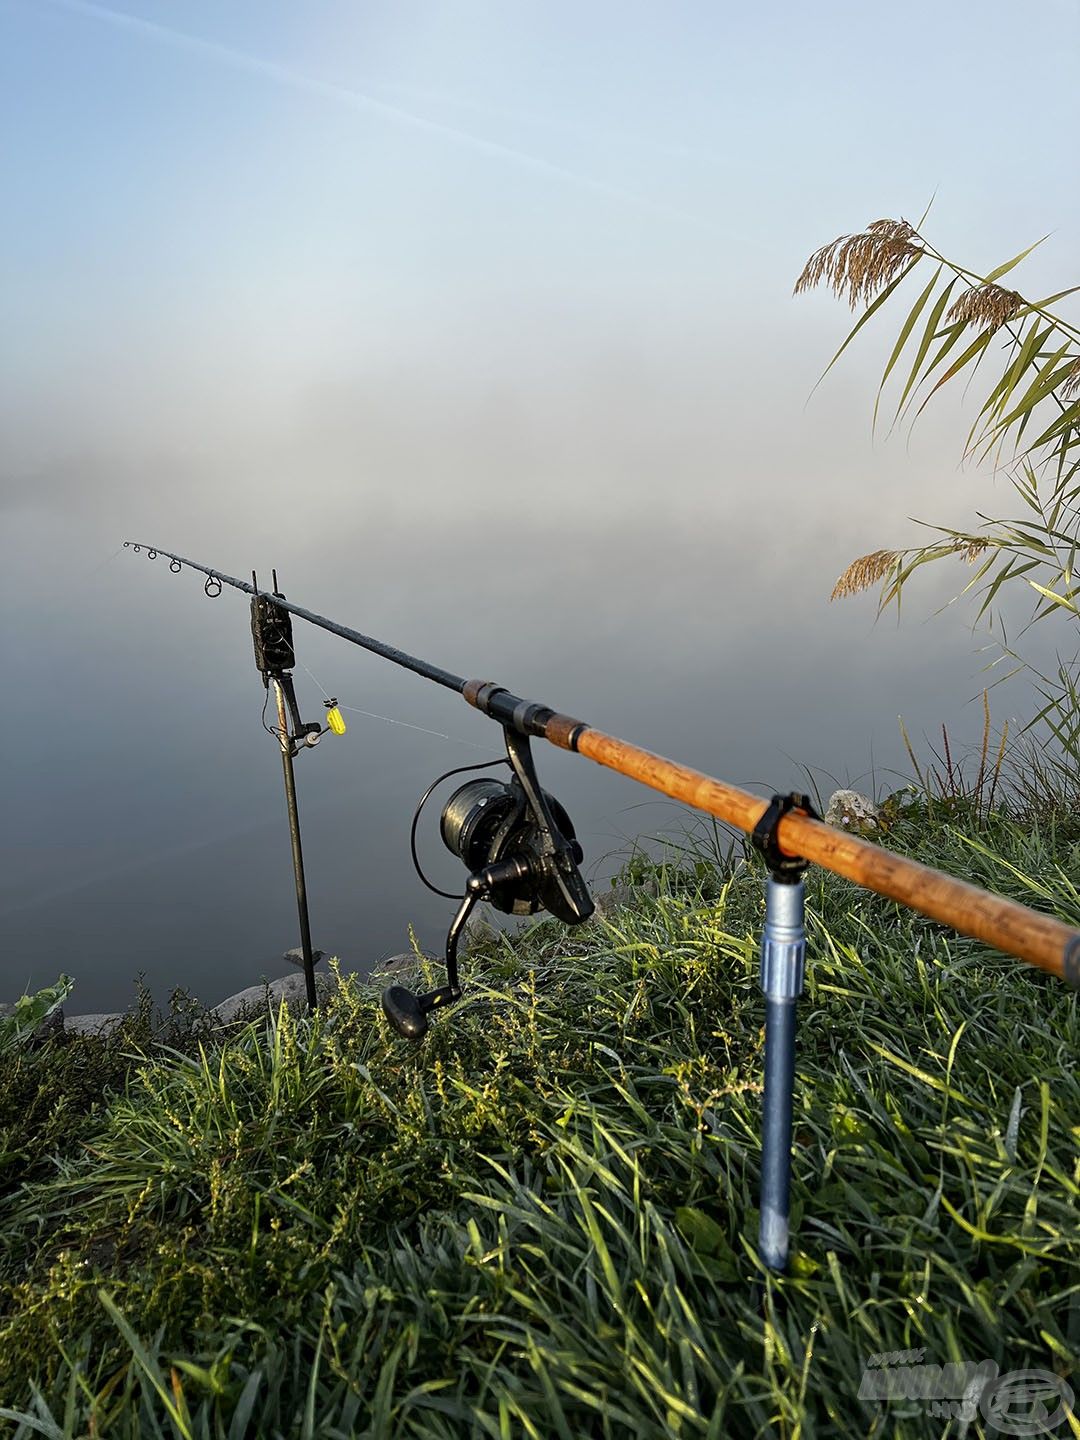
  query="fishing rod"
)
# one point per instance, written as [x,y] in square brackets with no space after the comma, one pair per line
[519,847]
[1040,940]
[215,579]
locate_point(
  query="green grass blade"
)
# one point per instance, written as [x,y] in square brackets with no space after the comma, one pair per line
[245,1405]
[145,1363]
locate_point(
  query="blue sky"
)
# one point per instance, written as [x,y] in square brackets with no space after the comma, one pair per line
[170,194]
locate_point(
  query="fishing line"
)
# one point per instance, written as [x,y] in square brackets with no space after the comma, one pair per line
[469,744]
[355,710]
[101,564]
[359,100]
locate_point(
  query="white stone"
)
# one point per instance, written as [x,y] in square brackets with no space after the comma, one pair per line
[290,988]
[848,810]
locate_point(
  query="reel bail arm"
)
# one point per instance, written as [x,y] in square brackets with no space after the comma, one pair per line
[562,890]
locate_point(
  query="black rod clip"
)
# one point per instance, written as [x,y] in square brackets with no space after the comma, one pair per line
[785,868]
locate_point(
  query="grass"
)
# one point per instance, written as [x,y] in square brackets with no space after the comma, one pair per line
[542,1222]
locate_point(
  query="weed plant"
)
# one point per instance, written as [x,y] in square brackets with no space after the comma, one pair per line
[542,1221]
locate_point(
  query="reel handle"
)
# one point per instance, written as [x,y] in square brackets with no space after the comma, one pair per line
[408,1012]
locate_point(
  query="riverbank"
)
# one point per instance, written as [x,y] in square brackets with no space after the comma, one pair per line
[542,1221]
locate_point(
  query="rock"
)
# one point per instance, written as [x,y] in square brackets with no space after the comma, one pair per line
[608,901]
[479,931]
[295,956]
[395,964]
[399,967]
[92,1024]
[51,1028]
[290,988]
[620,895]
[848,810]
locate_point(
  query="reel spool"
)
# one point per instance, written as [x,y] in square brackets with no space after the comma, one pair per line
[488,820]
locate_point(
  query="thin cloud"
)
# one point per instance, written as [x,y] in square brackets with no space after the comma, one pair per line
[359,100]
[546,121]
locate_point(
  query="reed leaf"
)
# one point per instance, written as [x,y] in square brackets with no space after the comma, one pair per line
[866,316]
[976,347]
[1012,264]
[1052,376]
[929,335]
[905,332]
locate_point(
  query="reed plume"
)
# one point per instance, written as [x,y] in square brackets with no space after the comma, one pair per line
[867,570]
[858,266]
[987,305]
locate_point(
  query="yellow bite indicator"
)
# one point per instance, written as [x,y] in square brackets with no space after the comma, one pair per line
[334,717]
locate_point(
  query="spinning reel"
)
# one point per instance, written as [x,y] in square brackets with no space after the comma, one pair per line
[519,847]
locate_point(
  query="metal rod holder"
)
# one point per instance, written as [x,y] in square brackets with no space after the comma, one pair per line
[783,962]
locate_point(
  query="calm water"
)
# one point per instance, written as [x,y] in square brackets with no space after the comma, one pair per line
[502,366]
[145,828]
